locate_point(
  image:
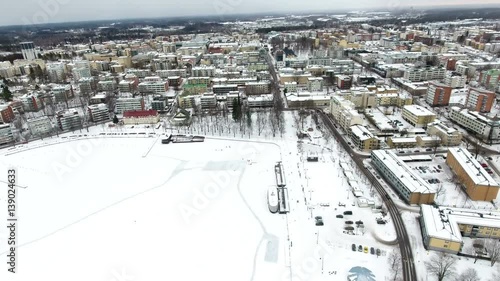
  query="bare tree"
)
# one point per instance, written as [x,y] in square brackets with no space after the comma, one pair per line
[273,122]
[493,248]
[395,266]
[440,190]
[442,266]
[261,122]
[470,274]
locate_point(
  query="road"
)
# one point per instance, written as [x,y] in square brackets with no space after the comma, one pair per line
[275,83]
[409,272]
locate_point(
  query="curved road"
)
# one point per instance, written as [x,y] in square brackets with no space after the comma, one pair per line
[409,273]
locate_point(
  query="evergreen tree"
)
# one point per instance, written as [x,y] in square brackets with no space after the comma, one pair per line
[115,119]
[6,94]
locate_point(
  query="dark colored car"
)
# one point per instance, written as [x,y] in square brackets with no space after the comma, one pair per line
[372,251]
[340,216]
[354,247]
[360,248]
[377,252]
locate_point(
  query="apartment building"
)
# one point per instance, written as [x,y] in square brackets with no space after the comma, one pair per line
[438,94]
[417,116]
[290,87]
[344,113]
[128,104]
[199,80]
[126,86]
[449,136]
[172,72]
[40,126]
[107,86]
[203,71]
[62,93]
[480,100]
[6,113]
[98,112]
[153,87]
[315,84]
[483,127]
[402,142]
[456,81]
[260,101]
[69,120]
[363,139]
[443,228]
[136,117]
[490,79]
[208,101]
[362,98]
[409,185]
[32,102]
[257,88]
[6,135]
[224,89]
[159,103]
[424,74]
[343,81]
[478,184]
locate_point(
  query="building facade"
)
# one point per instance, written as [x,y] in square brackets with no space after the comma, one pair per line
[480,100]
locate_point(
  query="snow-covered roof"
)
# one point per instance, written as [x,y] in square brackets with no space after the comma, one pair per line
[443,222]
[407,176]
[472,167]
[361,132]
[418,110]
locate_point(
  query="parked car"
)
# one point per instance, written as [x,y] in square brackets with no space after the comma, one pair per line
[360,248]
[340,216]
[372,251]
[319,221]
[380,221]
[365,250]
[354,247]
[377,252]
[347,213]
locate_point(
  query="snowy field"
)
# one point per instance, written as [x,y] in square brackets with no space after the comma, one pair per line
[105,207]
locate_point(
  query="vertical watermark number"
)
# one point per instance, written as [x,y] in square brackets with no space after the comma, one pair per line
[12,220]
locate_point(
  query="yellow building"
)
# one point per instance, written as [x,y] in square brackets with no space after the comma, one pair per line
[478,184]
[443,228]
[393,142]
[448,135]
[363,139]
[417,116]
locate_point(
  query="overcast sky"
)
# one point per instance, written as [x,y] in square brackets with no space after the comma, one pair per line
[48,11]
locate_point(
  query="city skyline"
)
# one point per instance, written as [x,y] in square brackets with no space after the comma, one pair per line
[54,11]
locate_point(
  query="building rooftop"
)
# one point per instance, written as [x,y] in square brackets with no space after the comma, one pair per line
[472,167]
[140,113]
[418,110]
[406,175]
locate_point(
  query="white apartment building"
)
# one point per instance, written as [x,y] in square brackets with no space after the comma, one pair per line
[153,87]
[126,86]
[258,88]
[106,86]
[483,127]
[40,126]
[457,81]
[449,136]
[79,73]
[69,120]
[56,71]
[260,101]
[141,73]
[128,104]
[344,113]
[6,135]
[203,71]
[291,87]
[208,101]
[424,74]
[315,84]
[172,72]
[98,112]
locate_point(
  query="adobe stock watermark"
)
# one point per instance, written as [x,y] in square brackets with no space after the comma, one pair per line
[310,265]
[224,7]
[225,177]
[47,9]
[121,275]
[74,156]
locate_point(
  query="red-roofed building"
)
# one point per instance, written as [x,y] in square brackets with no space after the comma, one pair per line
[141,117]
[6,113]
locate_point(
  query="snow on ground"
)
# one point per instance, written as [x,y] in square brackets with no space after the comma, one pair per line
[113,203]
